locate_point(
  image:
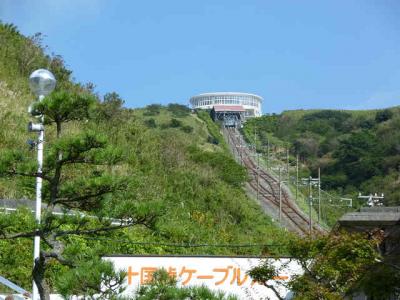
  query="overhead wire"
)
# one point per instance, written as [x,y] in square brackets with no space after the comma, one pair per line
[184,245]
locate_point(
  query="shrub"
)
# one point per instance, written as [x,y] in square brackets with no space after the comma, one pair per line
[111,106]
[212,140]
[175,123]
[227,168]
[150,123]
[152,110]
[187,129]
[178,110]
[383,115]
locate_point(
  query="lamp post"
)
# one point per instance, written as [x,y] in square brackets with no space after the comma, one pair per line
[42,83]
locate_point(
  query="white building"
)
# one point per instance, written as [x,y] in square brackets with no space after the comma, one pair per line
[251,103]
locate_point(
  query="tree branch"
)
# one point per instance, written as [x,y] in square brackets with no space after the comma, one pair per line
[59,258]
[81,198]
[104,229]
[270,286]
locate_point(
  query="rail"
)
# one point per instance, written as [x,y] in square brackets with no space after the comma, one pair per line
[271,190]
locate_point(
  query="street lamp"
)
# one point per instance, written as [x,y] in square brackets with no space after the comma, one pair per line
[42,83]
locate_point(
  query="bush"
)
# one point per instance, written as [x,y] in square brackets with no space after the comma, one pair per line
[175,123]
[150,123]
[187,129]
[178,110]
[367,123]
[111,107]
[227,168]
[383,115]
[152,110]
[212,140]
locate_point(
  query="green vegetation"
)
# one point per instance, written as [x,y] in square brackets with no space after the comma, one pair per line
[342,265]
[215,137]
[357,151]
[81,171]
[172,164]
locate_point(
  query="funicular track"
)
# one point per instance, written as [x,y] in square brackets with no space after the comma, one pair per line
[267,188]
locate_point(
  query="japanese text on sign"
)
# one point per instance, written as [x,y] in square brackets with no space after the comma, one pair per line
[227,274]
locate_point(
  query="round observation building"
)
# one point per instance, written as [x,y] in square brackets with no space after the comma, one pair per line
[249,103]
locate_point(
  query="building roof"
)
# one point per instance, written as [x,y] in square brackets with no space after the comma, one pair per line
[235,108]
[228,94]
[371,217]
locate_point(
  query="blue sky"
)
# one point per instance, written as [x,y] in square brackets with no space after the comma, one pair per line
[295,54]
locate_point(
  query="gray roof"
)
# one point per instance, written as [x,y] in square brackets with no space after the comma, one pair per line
[372,217]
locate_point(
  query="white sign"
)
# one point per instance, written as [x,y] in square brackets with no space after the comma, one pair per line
[227,274]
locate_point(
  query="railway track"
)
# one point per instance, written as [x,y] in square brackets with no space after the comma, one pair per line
[267,188]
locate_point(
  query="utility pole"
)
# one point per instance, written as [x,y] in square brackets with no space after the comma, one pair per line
[258,176]
[287,164]
[310,203]
[239,147]
[280,196]
[319,195]
[297,175]
[255,139]
[268,162]
[310,181]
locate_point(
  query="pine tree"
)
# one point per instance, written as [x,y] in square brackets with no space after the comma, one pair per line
[81,176]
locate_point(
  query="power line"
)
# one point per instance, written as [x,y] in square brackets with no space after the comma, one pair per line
[184,245]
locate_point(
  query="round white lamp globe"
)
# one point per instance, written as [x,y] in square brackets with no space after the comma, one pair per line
[42,82]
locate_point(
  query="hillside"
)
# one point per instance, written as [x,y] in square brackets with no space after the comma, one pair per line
[357,151]
[178,163]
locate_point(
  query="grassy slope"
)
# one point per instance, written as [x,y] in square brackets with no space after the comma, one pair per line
[201,204]
[199,184]
[188,176]
[185,171]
